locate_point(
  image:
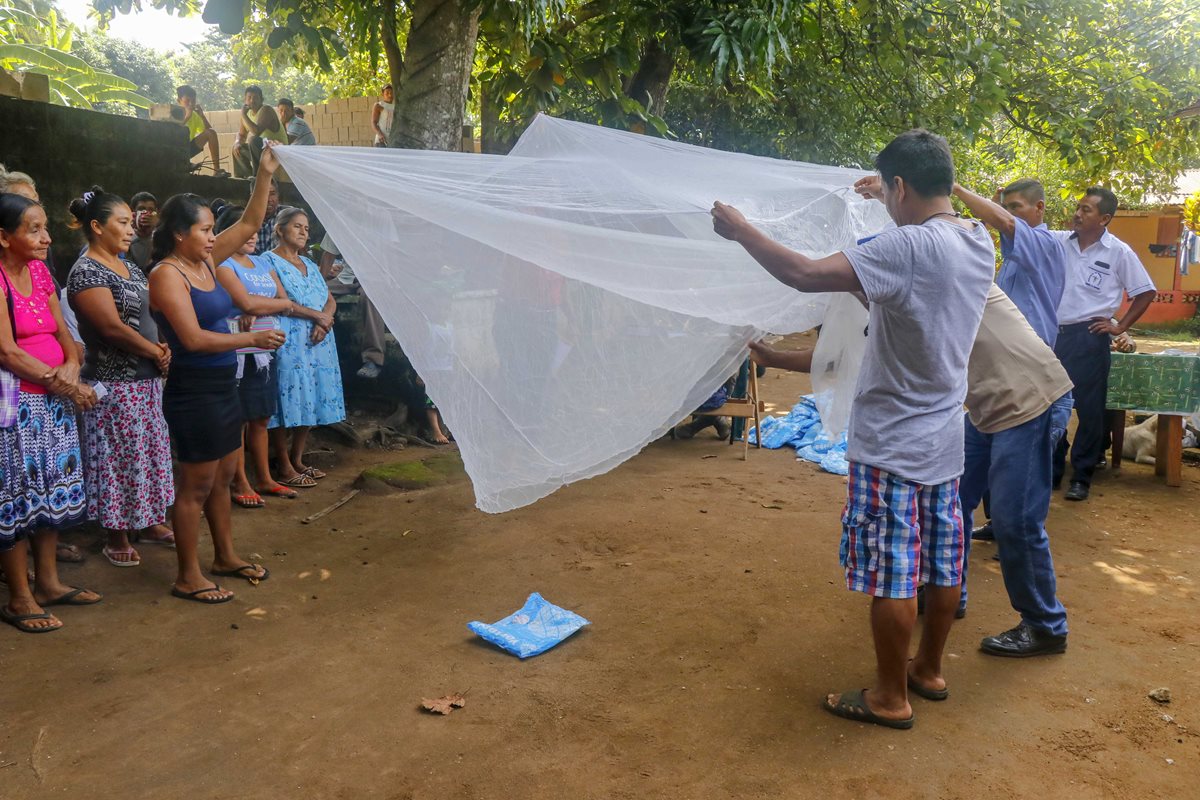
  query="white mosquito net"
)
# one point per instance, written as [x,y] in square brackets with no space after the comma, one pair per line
[568,303]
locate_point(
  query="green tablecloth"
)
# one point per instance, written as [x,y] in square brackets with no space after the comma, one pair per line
[1156,384]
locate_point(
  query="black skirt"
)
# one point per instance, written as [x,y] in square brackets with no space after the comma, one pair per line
[258,389]
[203,411]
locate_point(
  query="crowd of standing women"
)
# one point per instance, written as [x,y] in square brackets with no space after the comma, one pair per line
[215,347]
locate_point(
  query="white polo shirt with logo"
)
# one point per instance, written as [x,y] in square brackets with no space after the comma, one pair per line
[1098,278]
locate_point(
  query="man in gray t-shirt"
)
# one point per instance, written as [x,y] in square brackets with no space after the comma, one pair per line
[927,281]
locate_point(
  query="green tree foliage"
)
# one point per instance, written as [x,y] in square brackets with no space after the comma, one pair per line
[151,72]
[219,70]
[33,39]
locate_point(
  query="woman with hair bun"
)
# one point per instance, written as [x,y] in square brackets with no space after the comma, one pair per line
[41,474]
[200,401]
[128,452]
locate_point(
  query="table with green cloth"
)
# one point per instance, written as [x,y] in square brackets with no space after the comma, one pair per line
[1148,383]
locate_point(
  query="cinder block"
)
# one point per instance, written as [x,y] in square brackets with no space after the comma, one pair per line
[9,85]
[34,86]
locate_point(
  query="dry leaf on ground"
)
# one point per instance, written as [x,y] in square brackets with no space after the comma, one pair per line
[444,705]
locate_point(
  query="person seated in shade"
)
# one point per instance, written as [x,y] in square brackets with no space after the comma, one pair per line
[297,129]
[201,132]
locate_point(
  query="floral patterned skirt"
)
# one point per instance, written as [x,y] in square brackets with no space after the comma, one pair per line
[128,457]
[41,469]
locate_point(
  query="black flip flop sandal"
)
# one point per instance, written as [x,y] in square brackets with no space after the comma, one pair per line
[18,620]
[70,599]
[937,695]
[241,572]
[852,706]
[196,598]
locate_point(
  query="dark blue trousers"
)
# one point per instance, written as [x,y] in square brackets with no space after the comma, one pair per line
[1086,357]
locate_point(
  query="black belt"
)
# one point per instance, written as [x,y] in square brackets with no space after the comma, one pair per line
[1074,326]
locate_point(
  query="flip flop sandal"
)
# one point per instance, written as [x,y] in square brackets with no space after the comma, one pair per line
[161,541]
[936,695]
[852,706]
[112,554]
[241,572]
[248,500]
[18,620]
[302,481]
[68,554]
[71,599]
[280,491]
[196,598]
[313,472]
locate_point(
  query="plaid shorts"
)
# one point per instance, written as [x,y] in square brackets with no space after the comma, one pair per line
[897,534]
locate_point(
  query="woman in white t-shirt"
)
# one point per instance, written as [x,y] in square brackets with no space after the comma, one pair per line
[381,116]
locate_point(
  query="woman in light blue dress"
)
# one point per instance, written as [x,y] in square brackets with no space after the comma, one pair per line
[310,379]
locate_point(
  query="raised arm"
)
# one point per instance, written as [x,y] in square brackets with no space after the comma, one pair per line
[990,213]
[792,360]
[830,274]
[230,240]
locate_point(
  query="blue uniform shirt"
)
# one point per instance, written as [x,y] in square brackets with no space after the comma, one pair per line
[1033,276]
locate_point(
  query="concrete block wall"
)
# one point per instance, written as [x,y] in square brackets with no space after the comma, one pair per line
[344,122]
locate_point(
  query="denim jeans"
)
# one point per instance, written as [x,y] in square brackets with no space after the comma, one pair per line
[1015,465]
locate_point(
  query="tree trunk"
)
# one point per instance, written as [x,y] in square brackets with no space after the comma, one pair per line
[653,77]
[431,93]
[490,138]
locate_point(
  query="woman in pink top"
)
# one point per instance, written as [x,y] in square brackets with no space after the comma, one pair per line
[41,471]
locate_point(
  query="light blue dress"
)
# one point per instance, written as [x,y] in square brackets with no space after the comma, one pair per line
[310,379]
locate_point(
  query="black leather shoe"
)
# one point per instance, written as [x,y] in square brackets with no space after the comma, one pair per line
[1078,491]
[1024,641]
[984,533]
[959,613]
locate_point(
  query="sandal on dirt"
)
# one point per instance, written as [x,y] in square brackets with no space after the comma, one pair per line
[936,695]
[71,599]
[241,572]
[68,554]
[280,491]
[302,480]
[315,473]
[111,554]
[196,598]
[19,621]
[252,500]
[163,541]
[852,706]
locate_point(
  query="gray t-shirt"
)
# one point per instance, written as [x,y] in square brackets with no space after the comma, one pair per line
[927,285]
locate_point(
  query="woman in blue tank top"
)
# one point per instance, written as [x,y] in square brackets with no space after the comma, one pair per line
[200,399]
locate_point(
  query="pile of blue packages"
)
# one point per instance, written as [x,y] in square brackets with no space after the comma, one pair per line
[534,629]
[802,429]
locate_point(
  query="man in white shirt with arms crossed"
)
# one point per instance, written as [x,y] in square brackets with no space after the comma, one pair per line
[1101,270]
[926,281]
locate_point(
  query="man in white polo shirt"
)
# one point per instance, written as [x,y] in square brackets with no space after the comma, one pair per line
[1101,270]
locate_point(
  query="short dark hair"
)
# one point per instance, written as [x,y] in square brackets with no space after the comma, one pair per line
[922,159]
[142,197]
[1108,200]
[1029,188]
[185,91]
[254,90]
[286,101]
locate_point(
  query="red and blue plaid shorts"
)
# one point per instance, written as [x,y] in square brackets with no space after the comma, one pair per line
[897,534]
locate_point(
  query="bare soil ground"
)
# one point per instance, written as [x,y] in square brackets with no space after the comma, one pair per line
[719,620]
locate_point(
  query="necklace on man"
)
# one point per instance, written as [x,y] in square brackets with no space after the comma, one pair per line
[941,214]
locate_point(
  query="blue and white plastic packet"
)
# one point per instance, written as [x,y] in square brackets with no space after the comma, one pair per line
[535,628]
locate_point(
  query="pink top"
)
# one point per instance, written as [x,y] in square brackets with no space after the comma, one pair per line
[35,324]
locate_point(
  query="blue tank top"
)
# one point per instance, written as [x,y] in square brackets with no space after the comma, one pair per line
[213,309]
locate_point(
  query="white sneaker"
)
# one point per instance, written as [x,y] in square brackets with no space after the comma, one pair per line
[370,370]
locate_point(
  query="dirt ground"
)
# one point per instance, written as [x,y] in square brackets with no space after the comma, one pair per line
[719,619]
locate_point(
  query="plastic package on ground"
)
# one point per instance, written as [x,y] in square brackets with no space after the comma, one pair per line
[804,429]
[534,629]
[568,303]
